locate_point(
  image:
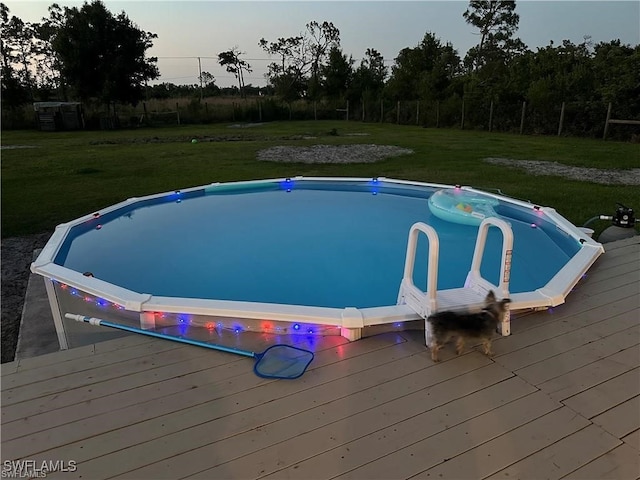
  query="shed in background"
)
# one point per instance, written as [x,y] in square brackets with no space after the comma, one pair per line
[53,116]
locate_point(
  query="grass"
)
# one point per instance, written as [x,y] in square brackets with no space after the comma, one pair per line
[70,174]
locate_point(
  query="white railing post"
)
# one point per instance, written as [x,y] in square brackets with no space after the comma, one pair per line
[423,303]
[475,280]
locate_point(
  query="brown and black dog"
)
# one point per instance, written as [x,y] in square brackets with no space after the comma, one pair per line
[478,326]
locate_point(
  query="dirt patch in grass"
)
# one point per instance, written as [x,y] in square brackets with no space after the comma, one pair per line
[585,174]
[17,254]
[361,153]
[197,138]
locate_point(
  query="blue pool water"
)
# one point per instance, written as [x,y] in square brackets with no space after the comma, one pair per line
[308,246]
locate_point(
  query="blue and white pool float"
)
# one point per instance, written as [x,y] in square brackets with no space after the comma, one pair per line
[461,206]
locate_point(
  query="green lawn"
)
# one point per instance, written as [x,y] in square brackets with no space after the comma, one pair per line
[72,174]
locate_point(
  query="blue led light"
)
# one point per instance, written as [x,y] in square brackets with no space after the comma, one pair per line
[296,326]
[287,184]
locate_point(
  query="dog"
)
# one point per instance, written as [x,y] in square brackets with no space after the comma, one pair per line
[480,326]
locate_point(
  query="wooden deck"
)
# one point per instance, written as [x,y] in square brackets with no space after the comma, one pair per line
[561,399]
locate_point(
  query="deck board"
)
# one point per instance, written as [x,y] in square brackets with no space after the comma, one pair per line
[191,407]
[562,457]
[591,375]
[622,419]
[237,414]
[560,399]
[163,354]
[391,459]
[633,439]
[621,463]
[252,453]
[519,443]
[606,395]
[567,361]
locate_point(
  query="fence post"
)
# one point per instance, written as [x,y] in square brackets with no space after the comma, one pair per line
[462,122]
[178,113]
[398,113]
[315,110]
[524,106]
[561,119]
[491,116]
[347,111]
[606,122]
[362,100]
[381,110]
[259,110]
[418,113]
[437,113]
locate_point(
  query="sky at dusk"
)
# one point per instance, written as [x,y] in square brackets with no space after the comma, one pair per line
[206,28]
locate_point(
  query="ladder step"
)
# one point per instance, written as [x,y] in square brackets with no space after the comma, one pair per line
[460,299]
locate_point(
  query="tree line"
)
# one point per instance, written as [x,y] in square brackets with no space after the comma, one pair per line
[91,55]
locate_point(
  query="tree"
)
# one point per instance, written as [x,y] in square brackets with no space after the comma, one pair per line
[49,67]
[324,38]
[369,77]
[210,88]
[497,22]
[287,75]
[489,63]
[18,52]
[296,73]
[102,56]
[231,59]
[337,74]
[425,71]
[617,70]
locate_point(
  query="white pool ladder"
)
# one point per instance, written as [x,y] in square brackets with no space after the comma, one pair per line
[469,297]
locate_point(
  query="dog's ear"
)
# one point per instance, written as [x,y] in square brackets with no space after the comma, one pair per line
[506,300]
[491,297]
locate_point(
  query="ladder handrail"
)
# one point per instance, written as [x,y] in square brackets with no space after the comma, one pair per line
[474,278]
[432,271]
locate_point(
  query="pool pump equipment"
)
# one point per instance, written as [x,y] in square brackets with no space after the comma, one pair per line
[624,217]
[623,224]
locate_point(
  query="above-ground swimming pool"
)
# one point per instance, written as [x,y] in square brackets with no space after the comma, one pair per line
[308,256]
